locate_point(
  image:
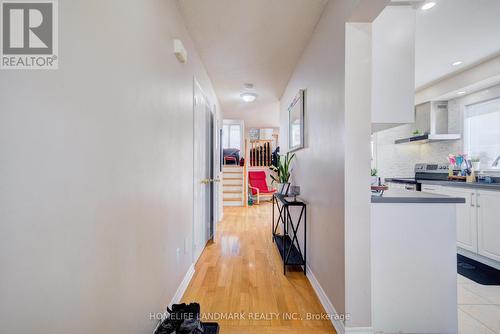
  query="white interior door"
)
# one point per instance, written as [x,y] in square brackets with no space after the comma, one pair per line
[204,201]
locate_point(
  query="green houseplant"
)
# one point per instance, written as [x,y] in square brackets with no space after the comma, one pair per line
[282,172]
[374,176]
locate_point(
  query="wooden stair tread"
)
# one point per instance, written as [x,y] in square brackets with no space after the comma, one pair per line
[232,199]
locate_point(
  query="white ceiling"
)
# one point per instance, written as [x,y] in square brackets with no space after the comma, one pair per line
[250,41]
[465,30]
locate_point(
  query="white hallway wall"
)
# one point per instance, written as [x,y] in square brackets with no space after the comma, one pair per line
[357,173]
[320,167]
[93,204]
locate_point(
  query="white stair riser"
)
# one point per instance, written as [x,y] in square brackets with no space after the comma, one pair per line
[232,169]
[233,203]
[240,179]
[231,195]
[233,182]
[232,188]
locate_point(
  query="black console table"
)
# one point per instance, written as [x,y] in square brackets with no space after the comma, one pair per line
[288,242]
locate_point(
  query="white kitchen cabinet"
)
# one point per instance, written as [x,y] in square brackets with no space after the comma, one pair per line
[478,221]
[432,189]
[466,218]
[395,186]
[488,223]
[400,186]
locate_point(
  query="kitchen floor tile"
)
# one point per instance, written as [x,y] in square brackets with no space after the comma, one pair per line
[467,297]
[464,280]
[469,325]
[488,292]
[488,315]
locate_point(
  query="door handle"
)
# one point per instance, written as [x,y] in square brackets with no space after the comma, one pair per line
[472,200]
[205,181]
[477,201]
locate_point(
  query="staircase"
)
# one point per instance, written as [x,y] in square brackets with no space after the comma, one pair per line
[232,185]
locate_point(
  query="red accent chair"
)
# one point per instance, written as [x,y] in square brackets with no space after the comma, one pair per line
[258,185]
[232,159]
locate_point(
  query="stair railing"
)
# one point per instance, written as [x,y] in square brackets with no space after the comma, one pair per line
[260,153]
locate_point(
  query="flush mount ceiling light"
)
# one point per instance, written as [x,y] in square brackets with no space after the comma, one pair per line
[461,92]
[428,5]
[458,62]
[248,97]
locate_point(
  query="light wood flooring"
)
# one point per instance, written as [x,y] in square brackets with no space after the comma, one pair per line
[239,280]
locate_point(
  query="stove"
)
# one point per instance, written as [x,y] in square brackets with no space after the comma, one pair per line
[436,172]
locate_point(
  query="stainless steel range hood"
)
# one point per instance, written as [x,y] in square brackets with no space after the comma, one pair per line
[427,138]
[431,120]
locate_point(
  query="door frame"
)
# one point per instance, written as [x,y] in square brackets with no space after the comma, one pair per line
[214,168]
[217,170]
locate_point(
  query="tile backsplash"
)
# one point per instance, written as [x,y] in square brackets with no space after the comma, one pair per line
[399,160]
[393,160]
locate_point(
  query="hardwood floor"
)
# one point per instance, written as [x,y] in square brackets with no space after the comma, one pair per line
[239,281]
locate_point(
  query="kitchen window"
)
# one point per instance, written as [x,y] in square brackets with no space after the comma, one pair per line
[482,132]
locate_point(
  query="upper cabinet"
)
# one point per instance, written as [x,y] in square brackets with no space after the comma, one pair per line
[393,66]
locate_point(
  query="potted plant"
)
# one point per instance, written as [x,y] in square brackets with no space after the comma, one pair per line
[373,174]
[476,163]
[282,172]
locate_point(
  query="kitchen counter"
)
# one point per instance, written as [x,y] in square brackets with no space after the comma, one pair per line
[403,180]
[487,186]
[395,196]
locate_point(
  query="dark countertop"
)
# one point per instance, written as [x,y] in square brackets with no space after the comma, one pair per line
[404,180]
[476,185]
[486,186]
[395,196]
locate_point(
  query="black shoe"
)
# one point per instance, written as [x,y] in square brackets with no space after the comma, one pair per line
[191,326]
[183,319]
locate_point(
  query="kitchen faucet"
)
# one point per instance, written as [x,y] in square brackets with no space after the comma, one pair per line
[495,163]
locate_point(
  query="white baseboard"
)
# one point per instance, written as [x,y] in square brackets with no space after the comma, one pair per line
[359,330]
[183,286]
[179,292]
[325,301]
[330,309]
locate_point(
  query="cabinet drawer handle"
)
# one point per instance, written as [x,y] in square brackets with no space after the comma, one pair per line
[472,200]
[477,201]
